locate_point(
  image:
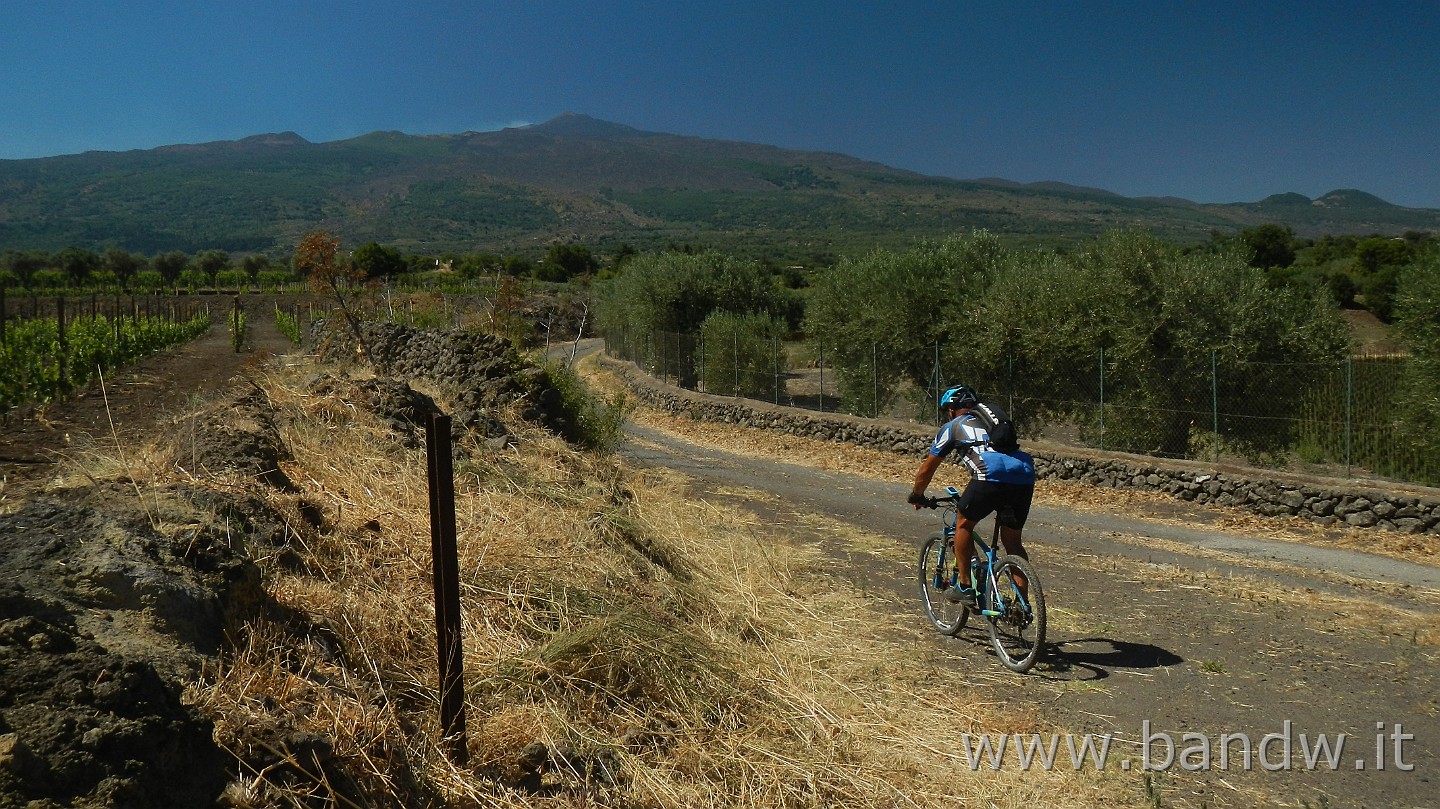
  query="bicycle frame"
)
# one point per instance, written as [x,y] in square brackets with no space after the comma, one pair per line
[1014,613]
[988,551]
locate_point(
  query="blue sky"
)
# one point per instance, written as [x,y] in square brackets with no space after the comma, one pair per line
[1215,101]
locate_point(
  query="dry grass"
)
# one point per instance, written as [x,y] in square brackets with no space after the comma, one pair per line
[665,651]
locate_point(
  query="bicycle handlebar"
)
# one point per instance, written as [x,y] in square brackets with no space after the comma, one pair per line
[934,502]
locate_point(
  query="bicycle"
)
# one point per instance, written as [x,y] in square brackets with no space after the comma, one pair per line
[1015,615]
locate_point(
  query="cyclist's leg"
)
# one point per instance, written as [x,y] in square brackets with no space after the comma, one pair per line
[1011,539]
[964,548]
[1011,515]
[975,504]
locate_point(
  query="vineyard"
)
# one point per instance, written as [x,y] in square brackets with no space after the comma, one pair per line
[42,358]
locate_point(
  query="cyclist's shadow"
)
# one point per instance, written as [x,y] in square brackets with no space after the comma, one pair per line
[1099,657]
[1095,658]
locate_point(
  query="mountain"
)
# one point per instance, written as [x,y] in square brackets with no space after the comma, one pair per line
[577,179]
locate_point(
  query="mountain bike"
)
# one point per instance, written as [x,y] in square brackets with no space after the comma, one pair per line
[1015,615]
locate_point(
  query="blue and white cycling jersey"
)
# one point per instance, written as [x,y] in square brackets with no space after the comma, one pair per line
[966,435]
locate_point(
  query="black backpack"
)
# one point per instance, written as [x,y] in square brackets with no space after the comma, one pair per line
[998,425]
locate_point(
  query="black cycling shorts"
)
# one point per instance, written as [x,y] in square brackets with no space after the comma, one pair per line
[1009,501]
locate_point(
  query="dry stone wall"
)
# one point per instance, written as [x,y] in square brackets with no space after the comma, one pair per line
[1352,506]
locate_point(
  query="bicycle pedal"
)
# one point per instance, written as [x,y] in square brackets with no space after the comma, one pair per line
[991,613]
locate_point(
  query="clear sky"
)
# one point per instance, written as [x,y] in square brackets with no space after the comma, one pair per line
[1212,101]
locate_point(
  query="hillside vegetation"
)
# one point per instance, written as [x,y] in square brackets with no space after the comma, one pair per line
[576,179]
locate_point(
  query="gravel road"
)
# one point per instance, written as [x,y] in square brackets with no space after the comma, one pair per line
[1158,618]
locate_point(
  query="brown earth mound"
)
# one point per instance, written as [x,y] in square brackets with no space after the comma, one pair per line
[115,596]
[102,617]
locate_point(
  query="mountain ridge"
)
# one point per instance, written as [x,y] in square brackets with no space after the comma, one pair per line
[575,178]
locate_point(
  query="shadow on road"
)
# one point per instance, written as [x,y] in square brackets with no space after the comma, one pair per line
[1100,657]
[1086,659]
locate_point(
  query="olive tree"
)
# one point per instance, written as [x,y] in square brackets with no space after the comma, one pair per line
[669,296]
[1418,319]
[1181,335]
[879,317]
[741,354]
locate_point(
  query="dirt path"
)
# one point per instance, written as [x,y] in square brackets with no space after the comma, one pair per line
[1193,629]
[138,398]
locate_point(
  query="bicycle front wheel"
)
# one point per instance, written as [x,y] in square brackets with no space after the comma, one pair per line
[1017,631]
[937,576]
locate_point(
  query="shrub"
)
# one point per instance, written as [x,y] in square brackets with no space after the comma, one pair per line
[592,421]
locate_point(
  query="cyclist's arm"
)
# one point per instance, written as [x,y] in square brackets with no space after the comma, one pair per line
[924,474]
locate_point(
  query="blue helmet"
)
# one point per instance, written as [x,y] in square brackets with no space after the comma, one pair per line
[959,398]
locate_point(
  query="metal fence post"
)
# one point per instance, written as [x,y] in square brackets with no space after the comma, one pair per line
[775,355]
[1349,408]
[939,376]
[1010,378]
[736,335]
[822,379]
[1102,397]
[1215,400]
[875,379]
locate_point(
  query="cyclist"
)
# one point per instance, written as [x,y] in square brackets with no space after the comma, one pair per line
[1000,482]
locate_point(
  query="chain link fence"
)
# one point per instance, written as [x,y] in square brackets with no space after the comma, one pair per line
[1340,419]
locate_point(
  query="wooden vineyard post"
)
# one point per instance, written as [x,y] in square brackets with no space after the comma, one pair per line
[236,335]
[446,569]
[64,347]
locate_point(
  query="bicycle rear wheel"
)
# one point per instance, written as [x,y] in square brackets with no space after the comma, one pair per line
[1018,632]
[937,576]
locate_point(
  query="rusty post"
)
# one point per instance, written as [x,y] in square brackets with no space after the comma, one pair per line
[446,571]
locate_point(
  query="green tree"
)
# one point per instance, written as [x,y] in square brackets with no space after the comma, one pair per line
[742,354]
[376,260]
[879,317]
[255,264]
[124,264]
[1376,253]
[77,264]
[232,279]
[1379,288]
[170,265]
[563,262]
[673,294]
[478,265]
[1164,319]
[210,263]
[48,278]
[192,279]
[1418,324]
[1269,245]
[1342,288]
[150,281]
[517,266]
[622,254]
[24,265]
